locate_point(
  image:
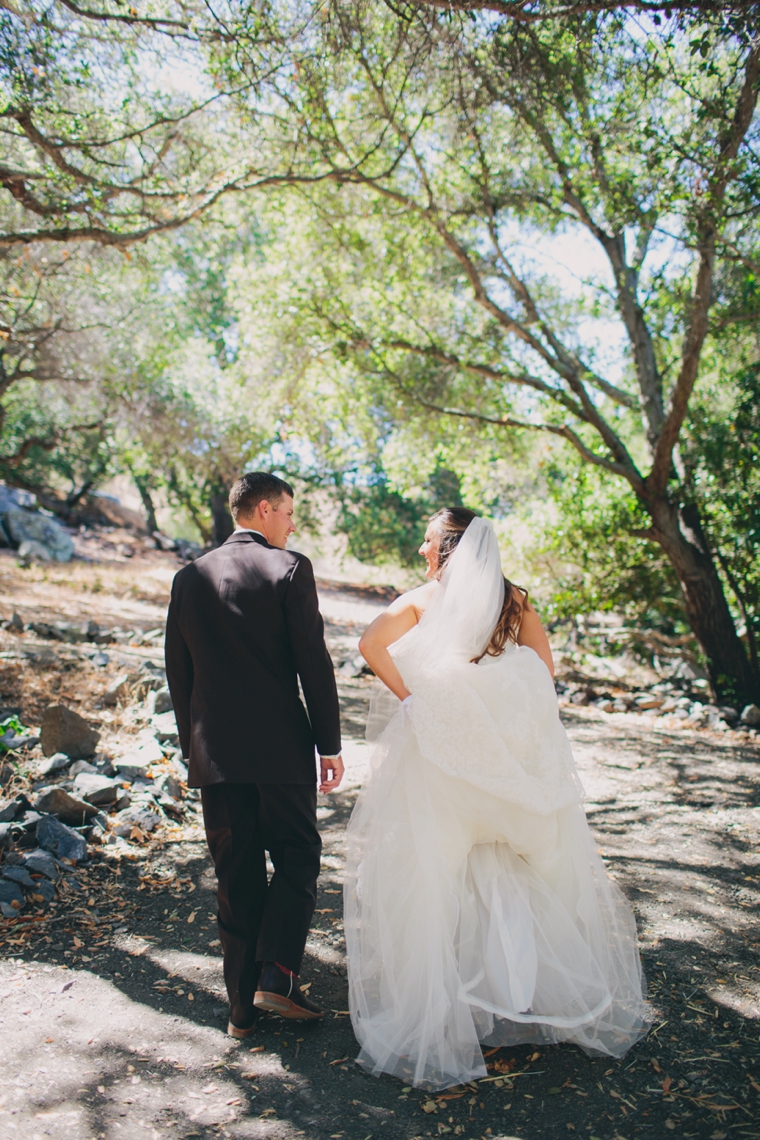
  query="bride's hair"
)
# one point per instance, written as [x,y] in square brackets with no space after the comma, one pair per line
[451,523]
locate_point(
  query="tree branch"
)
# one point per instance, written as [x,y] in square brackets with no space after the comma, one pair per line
[707,230]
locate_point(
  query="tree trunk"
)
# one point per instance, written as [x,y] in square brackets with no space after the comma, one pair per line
[222,525]
[150,511]
[731,674]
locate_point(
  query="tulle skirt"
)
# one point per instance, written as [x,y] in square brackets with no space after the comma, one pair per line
[472,920]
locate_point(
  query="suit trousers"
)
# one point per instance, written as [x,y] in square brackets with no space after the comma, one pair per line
[262,920]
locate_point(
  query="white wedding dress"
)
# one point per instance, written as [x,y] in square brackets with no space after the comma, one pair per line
[477,909]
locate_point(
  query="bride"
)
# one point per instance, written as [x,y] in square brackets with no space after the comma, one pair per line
[477,910]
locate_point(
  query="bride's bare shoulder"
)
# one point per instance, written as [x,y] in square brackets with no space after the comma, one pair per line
[417,599]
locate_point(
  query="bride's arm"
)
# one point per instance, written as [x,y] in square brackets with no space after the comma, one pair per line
[397,620]
[533,635]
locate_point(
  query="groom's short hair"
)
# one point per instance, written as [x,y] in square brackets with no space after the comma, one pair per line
[248,491]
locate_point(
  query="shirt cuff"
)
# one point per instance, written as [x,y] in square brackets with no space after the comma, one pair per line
[335,756]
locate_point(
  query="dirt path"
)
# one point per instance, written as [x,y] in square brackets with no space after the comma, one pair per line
[112,1016]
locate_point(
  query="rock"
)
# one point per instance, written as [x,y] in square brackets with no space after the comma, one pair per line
[165,728]
[57,762]
[100,659]
[60,840]
[69,809]
[750,716]
[6,835]
[7,772]
[43,892]
[123,801]
[29,821]
[118,690]
[96,789]
[188,550]
[11,894]
[163,542]
[169,784]
[604,705]
[180,767]
[14,809]
[41,863]
[16,624]
[41,628]
[63,730]
[729,714]
[136,762]
[14,743]
[82,766]
[30,551]
[159,701]
[34,528]
[93,630]
[18,875]
[646,701]
[105,767]
[13,497]
[580,698]
[69,631]
[140,817]
[684,669]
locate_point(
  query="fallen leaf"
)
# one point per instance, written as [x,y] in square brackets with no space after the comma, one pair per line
[251,1076]
[191,917]
[339,1061]
[327,910]
[78,944]
[534,1057]
[429,1106]
[656,1066]
[754,1084]
[191,997]
[666,1085]
[258,1049]
[505,1066]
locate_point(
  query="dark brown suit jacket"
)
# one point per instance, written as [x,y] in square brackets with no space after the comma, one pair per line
[243,627]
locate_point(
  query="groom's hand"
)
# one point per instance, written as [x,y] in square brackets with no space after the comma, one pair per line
[330,767]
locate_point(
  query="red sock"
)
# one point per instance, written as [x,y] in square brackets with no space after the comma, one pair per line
[285,970]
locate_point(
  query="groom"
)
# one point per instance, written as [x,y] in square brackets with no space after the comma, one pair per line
[243,627]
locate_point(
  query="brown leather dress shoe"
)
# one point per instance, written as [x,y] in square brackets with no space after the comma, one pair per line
[242,1023]
[279,992]
[241,1034]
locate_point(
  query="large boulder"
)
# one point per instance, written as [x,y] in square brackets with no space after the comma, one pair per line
[44,532]
[69,809]
[63,730]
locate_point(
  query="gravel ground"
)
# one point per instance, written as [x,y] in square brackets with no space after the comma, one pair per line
[112,1012]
